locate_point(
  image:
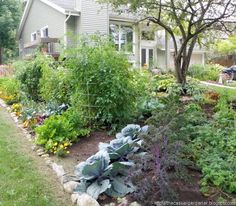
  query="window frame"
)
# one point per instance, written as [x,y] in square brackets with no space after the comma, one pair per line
[42,32]
[120,25]
[34,34]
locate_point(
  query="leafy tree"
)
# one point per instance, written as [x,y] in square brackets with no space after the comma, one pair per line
[187,19]
[10,11]
[226,46]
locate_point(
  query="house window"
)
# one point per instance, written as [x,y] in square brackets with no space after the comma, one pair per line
[122,36]
[44,31]
[34,36]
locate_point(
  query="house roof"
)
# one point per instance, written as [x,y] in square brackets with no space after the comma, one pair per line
[67,7]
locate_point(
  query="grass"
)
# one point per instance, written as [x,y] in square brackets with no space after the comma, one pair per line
[21,181]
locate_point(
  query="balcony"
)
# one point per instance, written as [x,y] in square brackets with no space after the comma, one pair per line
[46,45]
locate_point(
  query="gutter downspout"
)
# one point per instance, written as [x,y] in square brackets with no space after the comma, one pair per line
[65,30]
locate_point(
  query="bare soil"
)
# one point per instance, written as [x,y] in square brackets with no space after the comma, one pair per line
[82,150]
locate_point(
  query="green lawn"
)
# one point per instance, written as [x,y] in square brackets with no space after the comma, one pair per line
[25,180]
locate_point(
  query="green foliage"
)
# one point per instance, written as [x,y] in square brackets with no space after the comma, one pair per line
[207,72]
[9,90]
[125,143]
[55,84]
[226,46]
[214,149]
[10,12]
[97,176]
[59,131]
[29,74]
[102,81]
[166,151]
[163,82]
[148,105]
[107,170]
[191,88]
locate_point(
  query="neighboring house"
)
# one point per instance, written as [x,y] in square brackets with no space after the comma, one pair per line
[44,22]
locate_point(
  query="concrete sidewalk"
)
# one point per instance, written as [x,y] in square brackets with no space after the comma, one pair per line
[217,85]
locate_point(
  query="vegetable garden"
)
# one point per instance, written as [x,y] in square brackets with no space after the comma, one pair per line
[165,137]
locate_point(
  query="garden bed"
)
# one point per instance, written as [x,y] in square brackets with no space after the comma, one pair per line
[82,150]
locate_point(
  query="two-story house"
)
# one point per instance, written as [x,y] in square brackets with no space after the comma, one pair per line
[47,21]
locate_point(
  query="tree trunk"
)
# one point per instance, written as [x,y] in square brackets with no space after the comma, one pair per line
[1,55]
[180,71]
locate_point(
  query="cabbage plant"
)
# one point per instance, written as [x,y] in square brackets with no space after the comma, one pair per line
[97,175]
[119,149]
[106,171]
[131,130]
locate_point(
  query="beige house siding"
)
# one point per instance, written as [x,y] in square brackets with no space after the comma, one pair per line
[41,15]
[196,58]
[94,18]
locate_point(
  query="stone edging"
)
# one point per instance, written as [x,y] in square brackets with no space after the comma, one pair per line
[67,184]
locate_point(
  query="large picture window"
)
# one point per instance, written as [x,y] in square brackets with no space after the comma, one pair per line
[122,36]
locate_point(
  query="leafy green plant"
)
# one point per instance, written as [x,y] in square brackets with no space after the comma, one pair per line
[191,88]
[97,176]
[107,170]
[132,131]
[207,72]
[148,105]
[119,149]
[60,131]
[29,73]
[55,84]
[163,82]
[102,81]
[214,149]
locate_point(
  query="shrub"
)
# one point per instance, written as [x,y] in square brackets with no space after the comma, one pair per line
[29,73]
[9,90]
[55,84]
[102,81]
[207,72]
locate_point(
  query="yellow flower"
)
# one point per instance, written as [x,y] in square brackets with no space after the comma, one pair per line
[67,152]
[61,146]
[55,144]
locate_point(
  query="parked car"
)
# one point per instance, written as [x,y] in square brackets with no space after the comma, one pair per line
[231,71]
